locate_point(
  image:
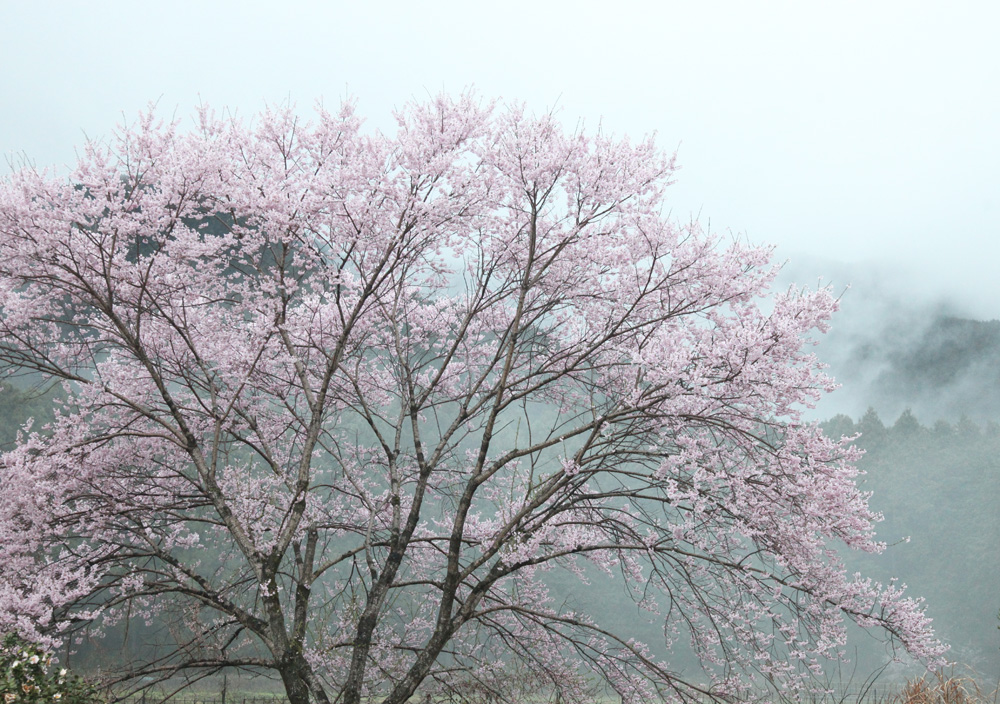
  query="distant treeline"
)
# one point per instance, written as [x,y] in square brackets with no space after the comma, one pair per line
[907,427]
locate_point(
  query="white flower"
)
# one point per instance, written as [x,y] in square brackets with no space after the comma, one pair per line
[33,660]
[57,695]
[62,672]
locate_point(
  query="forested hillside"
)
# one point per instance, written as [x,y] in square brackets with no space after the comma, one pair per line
[932,463]
[939,490]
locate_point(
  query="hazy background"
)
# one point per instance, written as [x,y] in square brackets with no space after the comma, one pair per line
[861,138]
[860,132]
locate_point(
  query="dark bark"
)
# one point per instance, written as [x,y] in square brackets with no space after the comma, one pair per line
[295,686]
[300,682]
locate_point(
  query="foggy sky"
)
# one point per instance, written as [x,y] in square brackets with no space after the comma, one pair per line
[859,134]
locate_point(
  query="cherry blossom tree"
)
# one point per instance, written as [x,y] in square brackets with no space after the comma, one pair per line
[340,404]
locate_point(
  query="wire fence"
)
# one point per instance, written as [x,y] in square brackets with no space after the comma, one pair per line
[869,696]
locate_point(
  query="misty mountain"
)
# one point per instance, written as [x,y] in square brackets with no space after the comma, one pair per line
[895,345]
[948,369]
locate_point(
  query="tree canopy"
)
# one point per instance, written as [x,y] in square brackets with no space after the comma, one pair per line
[338,401]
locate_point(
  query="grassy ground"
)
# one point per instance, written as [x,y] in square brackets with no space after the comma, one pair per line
[942,688]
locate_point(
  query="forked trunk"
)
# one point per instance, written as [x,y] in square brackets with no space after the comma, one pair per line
[295,675]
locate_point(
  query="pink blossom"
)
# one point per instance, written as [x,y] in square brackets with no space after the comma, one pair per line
[341,402]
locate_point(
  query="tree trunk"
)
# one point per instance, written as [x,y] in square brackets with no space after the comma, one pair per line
[297,677]
[295,686]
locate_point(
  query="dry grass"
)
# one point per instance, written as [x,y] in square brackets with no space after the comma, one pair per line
[945,689]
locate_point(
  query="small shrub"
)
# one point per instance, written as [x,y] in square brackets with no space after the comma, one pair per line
[28,676]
